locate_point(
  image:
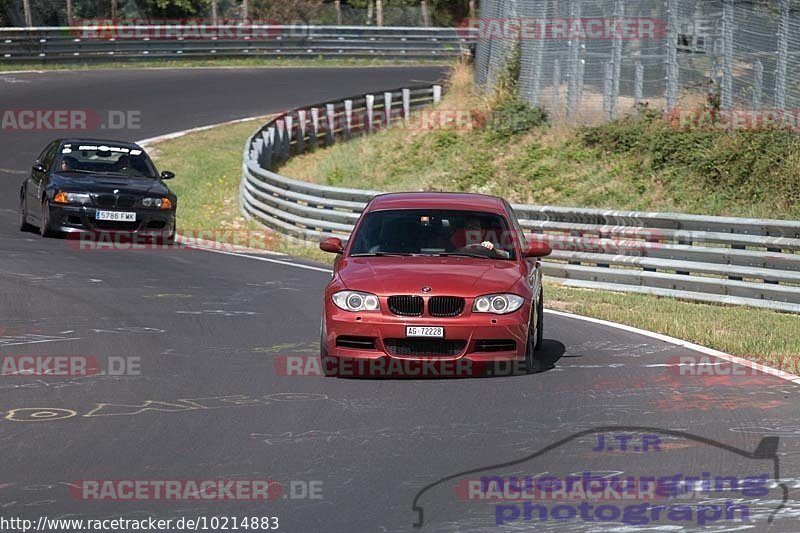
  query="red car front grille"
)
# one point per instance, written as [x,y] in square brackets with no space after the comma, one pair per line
[424,347]
[445,306]
[405,305]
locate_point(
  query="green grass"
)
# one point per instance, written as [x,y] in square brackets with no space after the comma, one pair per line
[223,62]
[764,336]
[207,165]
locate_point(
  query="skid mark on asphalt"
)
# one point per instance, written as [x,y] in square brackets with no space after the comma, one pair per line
[779,428]
[30,338]
[288,347]
[218,312]
[108,409]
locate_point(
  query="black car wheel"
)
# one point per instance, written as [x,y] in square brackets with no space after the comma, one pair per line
[23,215]
[44,221]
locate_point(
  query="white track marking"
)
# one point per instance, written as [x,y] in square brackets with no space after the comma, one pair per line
[685,344]
[268,260]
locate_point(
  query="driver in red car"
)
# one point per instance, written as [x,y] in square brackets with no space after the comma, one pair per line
[472,235]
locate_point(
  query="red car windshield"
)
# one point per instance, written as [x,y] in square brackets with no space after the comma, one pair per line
[434,232]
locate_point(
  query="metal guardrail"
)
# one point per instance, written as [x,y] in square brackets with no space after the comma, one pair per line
[130,43]
[723,260]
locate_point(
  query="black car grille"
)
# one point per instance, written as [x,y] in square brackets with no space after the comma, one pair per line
[105,200]
[112,201]
[445,306]
[495,345]
[126,201]
[405,305]
[424,347]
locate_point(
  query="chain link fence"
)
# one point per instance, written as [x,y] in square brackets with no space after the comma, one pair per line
[593,60]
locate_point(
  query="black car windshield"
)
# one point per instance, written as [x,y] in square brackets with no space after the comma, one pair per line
[435,232]
[105,159]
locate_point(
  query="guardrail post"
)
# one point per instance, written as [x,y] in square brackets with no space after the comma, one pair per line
[330,126]
[312,138]
[280,134]
[258,148]
[265,161]
[300,144]
[437,94]
[287,141]
[370,98]
[387,109]
[406,105]
[348,118]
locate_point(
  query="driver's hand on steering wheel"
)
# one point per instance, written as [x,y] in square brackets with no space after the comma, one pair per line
[490,246]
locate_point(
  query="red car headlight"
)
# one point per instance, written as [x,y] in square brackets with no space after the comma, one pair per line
[499,304]
[356,301]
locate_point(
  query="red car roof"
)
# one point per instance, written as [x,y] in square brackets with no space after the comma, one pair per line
[437,200]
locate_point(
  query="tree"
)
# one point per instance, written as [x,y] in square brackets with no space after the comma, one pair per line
[286,11]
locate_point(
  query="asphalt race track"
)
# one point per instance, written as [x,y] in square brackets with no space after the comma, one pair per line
[210,401]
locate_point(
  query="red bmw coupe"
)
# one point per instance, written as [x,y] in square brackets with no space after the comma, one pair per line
[443,277]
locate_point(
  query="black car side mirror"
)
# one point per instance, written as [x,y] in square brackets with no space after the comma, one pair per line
[38,167]
[167,175]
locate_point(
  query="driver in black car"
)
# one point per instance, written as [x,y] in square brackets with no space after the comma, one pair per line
[122,164]
[68,163]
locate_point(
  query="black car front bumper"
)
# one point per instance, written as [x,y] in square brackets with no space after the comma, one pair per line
[78,219]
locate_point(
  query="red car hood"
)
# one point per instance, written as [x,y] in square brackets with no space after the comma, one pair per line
[445,275]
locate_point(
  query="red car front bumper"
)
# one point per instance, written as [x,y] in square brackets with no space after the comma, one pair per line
[375,344]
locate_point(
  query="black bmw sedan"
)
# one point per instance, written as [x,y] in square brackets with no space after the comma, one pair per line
[88,185]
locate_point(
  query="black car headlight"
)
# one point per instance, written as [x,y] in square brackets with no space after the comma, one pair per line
[78,198]
[356,301]
[499,304]
[157,203]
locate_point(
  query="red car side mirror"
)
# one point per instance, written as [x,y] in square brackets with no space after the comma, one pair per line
[537,249]
[332,245]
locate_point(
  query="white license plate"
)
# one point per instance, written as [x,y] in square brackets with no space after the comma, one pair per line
[116,216]
[424,331]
